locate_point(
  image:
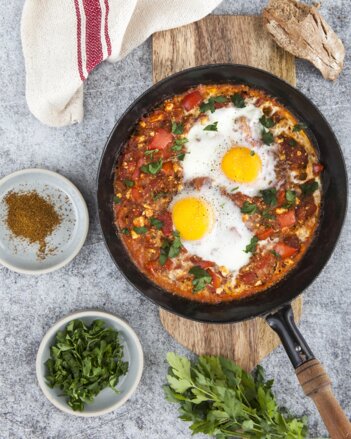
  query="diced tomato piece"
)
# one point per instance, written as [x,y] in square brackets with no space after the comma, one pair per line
[168,264]
[153,266]
[265,234]
[287,219]
[284,251]
[191,100]
[317,168]
[216,279]
[281,197]
[161,139]
[249,278]
[205,264]
[167,168]
[167,227]
[136,193]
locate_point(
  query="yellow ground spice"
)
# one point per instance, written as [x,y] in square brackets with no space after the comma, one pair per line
[32,217]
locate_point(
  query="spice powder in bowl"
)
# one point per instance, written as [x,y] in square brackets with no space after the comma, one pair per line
[32,217]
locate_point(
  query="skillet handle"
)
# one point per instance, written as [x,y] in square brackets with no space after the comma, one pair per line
[310,373]
[317,385]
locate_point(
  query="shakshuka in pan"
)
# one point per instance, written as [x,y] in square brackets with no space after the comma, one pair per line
[218,192]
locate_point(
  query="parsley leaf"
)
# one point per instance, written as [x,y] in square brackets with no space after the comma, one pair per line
[201,278]
[267,122]
[152,168]
[267,215]
[234,189]
[125,231]
[117,200]
[220,399]
[299,127]
[84,360]
[210,104]
[170,249]
[267,137]
[251,247]
[238,100]
[309,187]
[212,127]
[269,196]
[158,224]
[128,183]
[292,142]
[181,157]
[249,208]
[274,253]
[178,144]
[140,230]
[177,128]
[290,197]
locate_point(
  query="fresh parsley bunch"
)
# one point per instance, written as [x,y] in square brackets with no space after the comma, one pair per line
[85,360]
[221,399]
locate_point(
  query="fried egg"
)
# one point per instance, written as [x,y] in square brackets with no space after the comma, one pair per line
[211,227]
[234,156]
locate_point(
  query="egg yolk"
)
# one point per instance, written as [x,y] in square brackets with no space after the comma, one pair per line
[191,217]
[241,164]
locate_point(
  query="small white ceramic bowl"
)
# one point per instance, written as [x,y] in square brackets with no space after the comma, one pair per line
[107,400]
[66,241]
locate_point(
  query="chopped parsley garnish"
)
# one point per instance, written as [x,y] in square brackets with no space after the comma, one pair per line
[84,360]
[269,196]
[128,183]
[252,152]
[309,187]
[177,128]
[299,127]
[238,100]
[201,278]
[234,189]
[249,208]
[212,127]
[267,215]
[178,144]
[152,168]
[267,137]
[140,230]
[117,200]
[277,255]
[267,122]
[125,231]
[251,247]
[158,224]
[170,249]
[181,157]
[210,104]
[290,197]
[292,142]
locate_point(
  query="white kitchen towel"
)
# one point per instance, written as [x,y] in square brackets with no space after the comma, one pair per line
[64,40]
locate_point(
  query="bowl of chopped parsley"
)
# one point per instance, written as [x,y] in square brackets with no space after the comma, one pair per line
[89,363]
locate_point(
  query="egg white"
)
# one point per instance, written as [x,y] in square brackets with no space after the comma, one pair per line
[205,149]
[226,240]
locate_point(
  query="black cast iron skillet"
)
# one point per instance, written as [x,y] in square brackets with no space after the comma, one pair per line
[274,303]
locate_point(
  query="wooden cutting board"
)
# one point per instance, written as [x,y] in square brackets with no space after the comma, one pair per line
[221,39]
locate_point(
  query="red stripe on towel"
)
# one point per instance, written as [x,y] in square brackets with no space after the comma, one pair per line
[107,36]
[79,40]
[92,33]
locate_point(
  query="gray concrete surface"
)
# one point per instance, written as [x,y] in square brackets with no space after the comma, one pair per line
[29,305]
